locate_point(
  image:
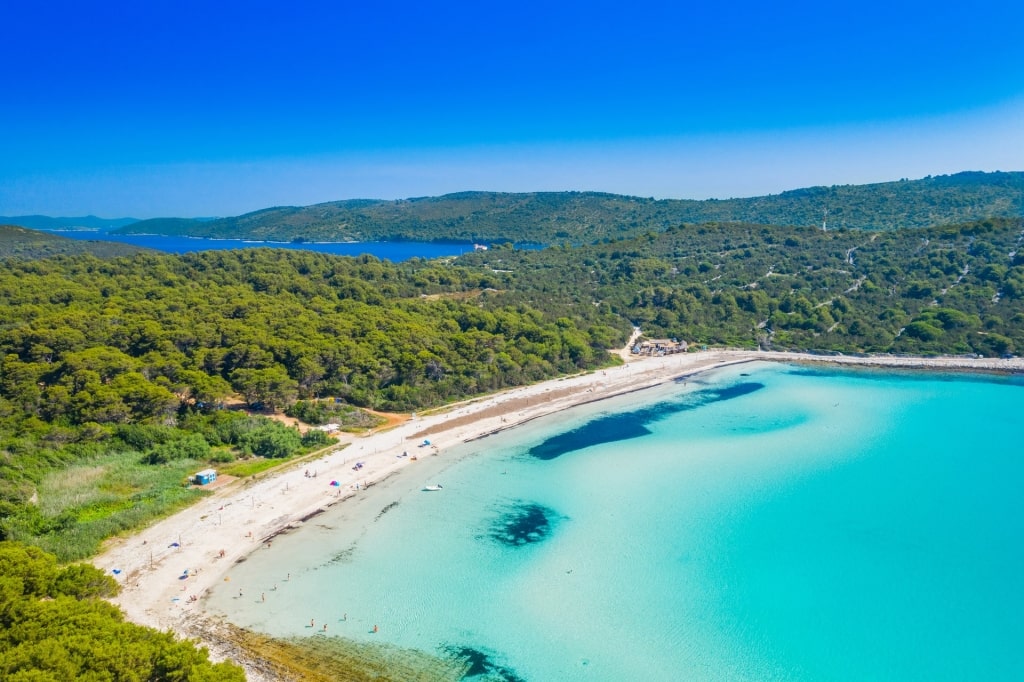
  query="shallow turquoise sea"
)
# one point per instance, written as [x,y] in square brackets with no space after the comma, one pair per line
[761,522]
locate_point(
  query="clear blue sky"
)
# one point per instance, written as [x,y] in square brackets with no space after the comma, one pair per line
[176,107]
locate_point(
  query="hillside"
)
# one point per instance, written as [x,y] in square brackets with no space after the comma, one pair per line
[19,242]
[586,217]
[953,289]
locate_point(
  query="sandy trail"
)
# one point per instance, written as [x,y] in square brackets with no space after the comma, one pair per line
[163,566]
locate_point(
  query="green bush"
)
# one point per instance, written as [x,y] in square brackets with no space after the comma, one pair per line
[315,437]
[192,446]
[274,441]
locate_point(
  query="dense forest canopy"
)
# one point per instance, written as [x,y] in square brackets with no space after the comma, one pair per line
[957,289]
[55,627]
[273,325]
[585,217]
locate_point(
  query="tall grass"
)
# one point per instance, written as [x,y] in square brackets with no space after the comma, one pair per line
[106,495]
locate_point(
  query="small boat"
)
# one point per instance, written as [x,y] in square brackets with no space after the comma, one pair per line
[432,488]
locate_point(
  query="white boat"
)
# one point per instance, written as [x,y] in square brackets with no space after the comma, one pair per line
[432,488]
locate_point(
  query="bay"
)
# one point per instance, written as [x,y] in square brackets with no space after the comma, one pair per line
[392,251]
[759,522]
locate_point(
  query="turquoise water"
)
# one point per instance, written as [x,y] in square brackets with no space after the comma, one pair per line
[763,522]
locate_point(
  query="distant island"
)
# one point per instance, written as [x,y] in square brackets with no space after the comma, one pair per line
[587,217]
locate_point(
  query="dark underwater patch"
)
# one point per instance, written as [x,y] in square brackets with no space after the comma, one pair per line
[603,430]
[625,426]
[481,665]
[342,557]
[385,510]
[523,523]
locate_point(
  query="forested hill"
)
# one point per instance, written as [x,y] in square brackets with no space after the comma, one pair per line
[954,289]
[18,242]
[587,217]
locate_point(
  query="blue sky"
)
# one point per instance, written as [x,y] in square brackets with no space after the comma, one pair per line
[174,107]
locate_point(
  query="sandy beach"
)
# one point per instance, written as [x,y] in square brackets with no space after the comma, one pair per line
[163,567]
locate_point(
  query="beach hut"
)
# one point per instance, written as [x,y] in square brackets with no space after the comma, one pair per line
[205,476]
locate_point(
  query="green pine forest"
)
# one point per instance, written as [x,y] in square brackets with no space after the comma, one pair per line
[55,626]
[123,372]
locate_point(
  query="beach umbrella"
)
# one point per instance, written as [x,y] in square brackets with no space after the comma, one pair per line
[335,483]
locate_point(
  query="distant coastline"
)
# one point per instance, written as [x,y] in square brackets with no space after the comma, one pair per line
[384,250]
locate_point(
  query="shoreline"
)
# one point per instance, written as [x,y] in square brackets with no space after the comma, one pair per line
[163,566]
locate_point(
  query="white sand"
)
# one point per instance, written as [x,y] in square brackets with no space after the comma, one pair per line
[238,518]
